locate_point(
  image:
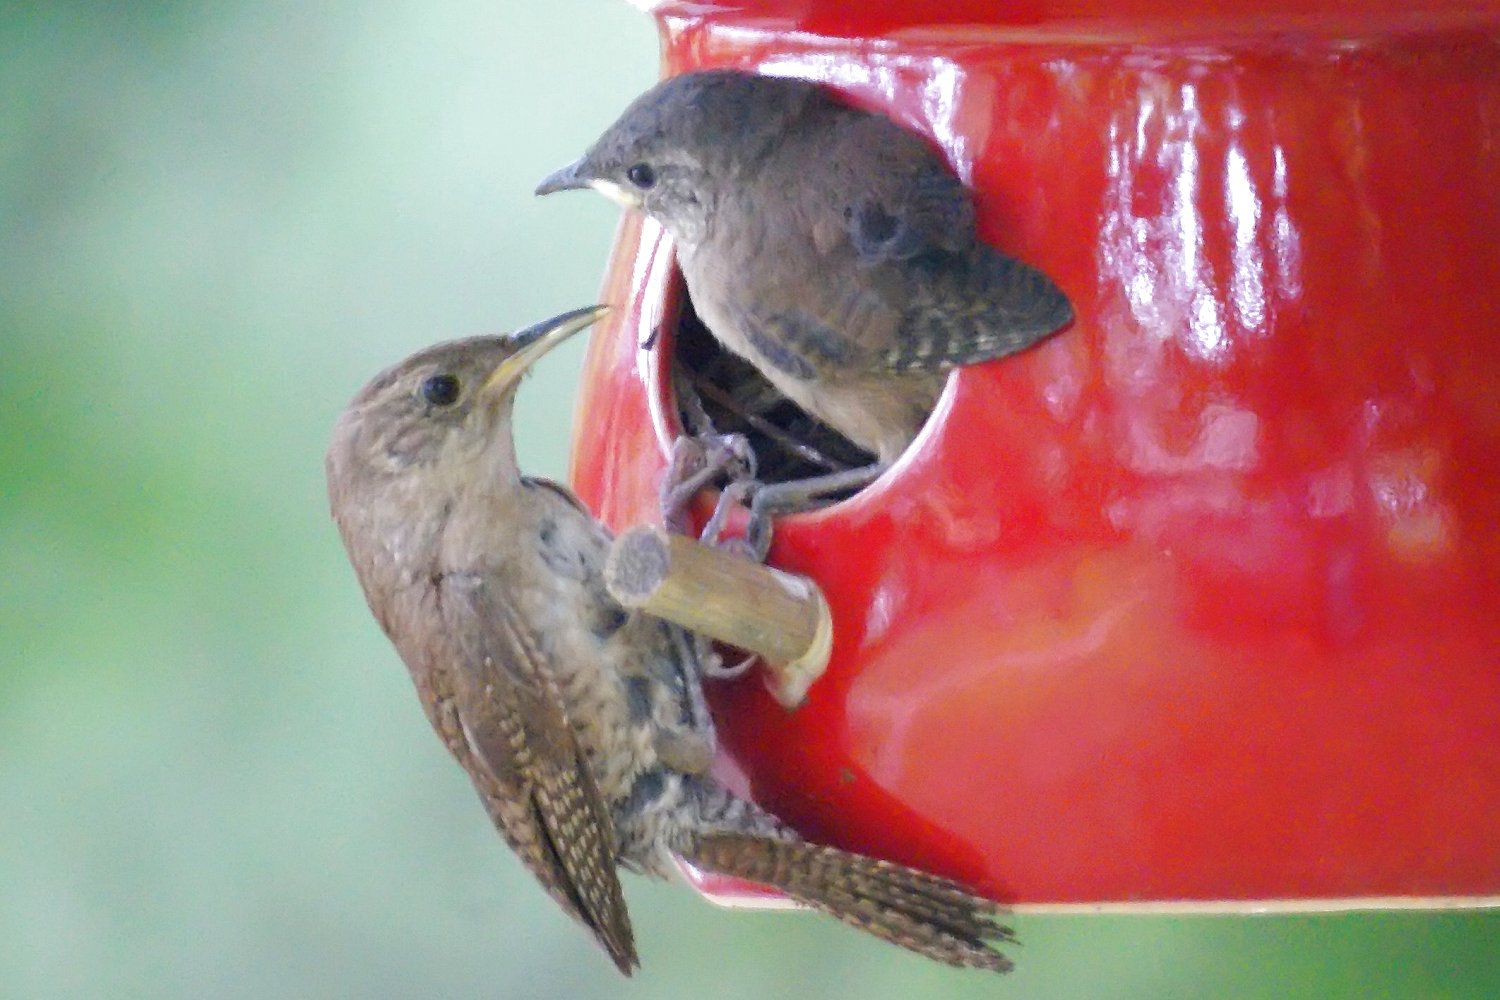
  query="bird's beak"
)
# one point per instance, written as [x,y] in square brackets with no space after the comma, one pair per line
[574,175]
[534,341]
[579,174]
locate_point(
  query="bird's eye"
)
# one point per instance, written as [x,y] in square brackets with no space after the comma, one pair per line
[641,175]
[440,390]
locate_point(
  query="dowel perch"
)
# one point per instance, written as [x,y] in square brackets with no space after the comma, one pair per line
[780,617]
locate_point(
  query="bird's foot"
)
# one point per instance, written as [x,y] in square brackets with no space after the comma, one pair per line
[696,463]
[687,473]
[769,501]
[712,665]
[733,495]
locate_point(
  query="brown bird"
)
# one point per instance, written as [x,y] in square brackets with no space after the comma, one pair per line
[582,727]
[831,248]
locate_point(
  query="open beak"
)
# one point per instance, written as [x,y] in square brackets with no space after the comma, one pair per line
[579,174]
[534,341]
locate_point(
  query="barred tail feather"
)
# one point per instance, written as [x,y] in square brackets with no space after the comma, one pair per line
[932,916]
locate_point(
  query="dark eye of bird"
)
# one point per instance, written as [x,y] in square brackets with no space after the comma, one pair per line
[440,390]
[641,175]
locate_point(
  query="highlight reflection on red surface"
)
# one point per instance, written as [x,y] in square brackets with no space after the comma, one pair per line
[1199,600]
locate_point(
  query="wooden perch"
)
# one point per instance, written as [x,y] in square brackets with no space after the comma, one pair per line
[780,617]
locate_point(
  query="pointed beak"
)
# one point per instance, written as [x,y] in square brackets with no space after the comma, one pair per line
[574,175]
[580,174]
[534,341]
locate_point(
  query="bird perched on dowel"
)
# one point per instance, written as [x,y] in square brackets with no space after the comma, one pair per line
[582,727]
[830,247]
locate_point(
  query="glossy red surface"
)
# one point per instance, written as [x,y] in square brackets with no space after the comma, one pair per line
[1200,600]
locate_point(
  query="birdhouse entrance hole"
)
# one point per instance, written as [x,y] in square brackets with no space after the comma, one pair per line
[715,390]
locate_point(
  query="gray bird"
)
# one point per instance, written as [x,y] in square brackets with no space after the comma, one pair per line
[828,246]
[582,727]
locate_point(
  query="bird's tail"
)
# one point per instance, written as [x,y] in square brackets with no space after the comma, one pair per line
[933,916]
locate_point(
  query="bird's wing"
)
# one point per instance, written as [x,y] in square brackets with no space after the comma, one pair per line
[904,201]
[929,313]
[560,490]
[515,722]
[897,279]
[961,309]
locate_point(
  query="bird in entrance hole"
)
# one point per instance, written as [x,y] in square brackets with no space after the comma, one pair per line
[827,245]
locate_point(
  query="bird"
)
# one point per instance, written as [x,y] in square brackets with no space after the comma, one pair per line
[833,249]
[582,726]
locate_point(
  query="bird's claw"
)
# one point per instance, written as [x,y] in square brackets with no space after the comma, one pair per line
[732,454]
[756,541]
[760,504]
[687,473]
[731,496]
[769,500]
[711,663]
[696,462]
[760,527]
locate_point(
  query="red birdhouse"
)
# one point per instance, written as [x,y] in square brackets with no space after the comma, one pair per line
[1198,602]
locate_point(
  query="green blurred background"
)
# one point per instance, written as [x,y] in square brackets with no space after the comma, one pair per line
[216,221]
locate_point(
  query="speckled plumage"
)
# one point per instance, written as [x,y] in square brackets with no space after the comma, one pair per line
[833,249]
[582,727]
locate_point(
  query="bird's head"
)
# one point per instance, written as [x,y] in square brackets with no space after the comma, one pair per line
[443,412]
[683,143]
